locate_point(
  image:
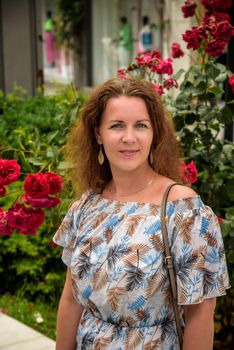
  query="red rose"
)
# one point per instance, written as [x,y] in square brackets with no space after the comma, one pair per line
[9,171]
[220,219]
[36,185]
[217,5]
[55,182]
[194,37]
[165,67]
[41,202]
[188,8]
[35,220]
[156,54]
[26,220]
[169,83]
[176,50]
[188,173]
[143,59]
[158,88]
[208,4]
[215,47]
[2,191]
[121,73]
[5,230]
[231,82]
[222,5]
[223,30]
[221,16]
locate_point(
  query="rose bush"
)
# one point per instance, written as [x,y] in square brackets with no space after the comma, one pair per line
[27,217]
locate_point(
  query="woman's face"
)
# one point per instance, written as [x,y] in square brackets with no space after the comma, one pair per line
[126,133]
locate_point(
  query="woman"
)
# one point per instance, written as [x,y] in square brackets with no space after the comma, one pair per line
[117,294]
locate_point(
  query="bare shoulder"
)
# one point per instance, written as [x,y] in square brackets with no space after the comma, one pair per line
[181,192]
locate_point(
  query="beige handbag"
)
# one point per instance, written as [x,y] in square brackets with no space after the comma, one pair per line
[169,263]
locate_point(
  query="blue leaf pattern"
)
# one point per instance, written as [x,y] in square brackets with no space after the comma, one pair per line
[122,281]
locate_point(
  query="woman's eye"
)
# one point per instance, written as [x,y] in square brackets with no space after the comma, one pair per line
[115,126]
[141,125]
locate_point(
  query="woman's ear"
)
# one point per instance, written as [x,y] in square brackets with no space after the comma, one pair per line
[98,137]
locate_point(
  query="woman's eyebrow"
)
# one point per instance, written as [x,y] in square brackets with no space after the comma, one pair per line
[123,121]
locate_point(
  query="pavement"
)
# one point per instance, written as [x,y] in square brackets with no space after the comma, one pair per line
[15,335]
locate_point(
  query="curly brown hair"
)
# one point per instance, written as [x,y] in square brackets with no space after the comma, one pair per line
[82,148]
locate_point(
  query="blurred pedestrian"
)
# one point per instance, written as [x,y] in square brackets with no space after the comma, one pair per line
[145,37]
[125,45]
[49,39]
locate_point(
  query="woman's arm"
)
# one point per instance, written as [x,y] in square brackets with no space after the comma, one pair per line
[199,325]
[69,314]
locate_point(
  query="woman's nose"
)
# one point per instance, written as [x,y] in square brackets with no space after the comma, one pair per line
[129,135]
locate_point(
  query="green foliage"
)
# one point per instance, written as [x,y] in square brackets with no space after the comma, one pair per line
[200,117]
[33,131]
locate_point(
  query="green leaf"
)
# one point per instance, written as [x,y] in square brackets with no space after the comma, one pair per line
[216,90]
[35,161]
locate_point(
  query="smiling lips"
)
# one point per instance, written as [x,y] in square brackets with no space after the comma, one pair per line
[128,153]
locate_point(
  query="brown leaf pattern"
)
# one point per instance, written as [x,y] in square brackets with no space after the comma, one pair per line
[100,279]
[185,229]
[134,338]
[116,255]
[114,295]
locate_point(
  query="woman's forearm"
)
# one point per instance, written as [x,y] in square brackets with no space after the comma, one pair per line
[68,318]
[199,326]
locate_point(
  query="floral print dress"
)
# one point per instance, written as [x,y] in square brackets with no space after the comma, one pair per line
[116,255]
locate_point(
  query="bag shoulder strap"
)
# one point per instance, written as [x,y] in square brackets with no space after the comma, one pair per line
[169,263]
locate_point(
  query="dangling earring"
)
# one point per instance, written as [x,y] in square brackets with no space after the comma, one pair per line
[100,156]
[151,158]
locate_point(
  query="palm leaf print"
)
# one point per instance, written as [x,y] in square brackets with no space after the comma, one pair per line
[185,265]
[178,219]
[200,253]
[113,296]
[157,242]
[167,327]
[134,338]
[221,284]
[134,277]
[115,253]
[99,219]
[132,224]
[83,266]
[185,229]
[64,228]
[183,295]
[91,307]
[118,207]
[154,209]
[166,295]
[100,279]
[207,212]
[108,233]
[132,257]
[141,315]
[155,282]
[134,274]
[211,239]
[154,344]
[87,245]
[209,280]
[102,343]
